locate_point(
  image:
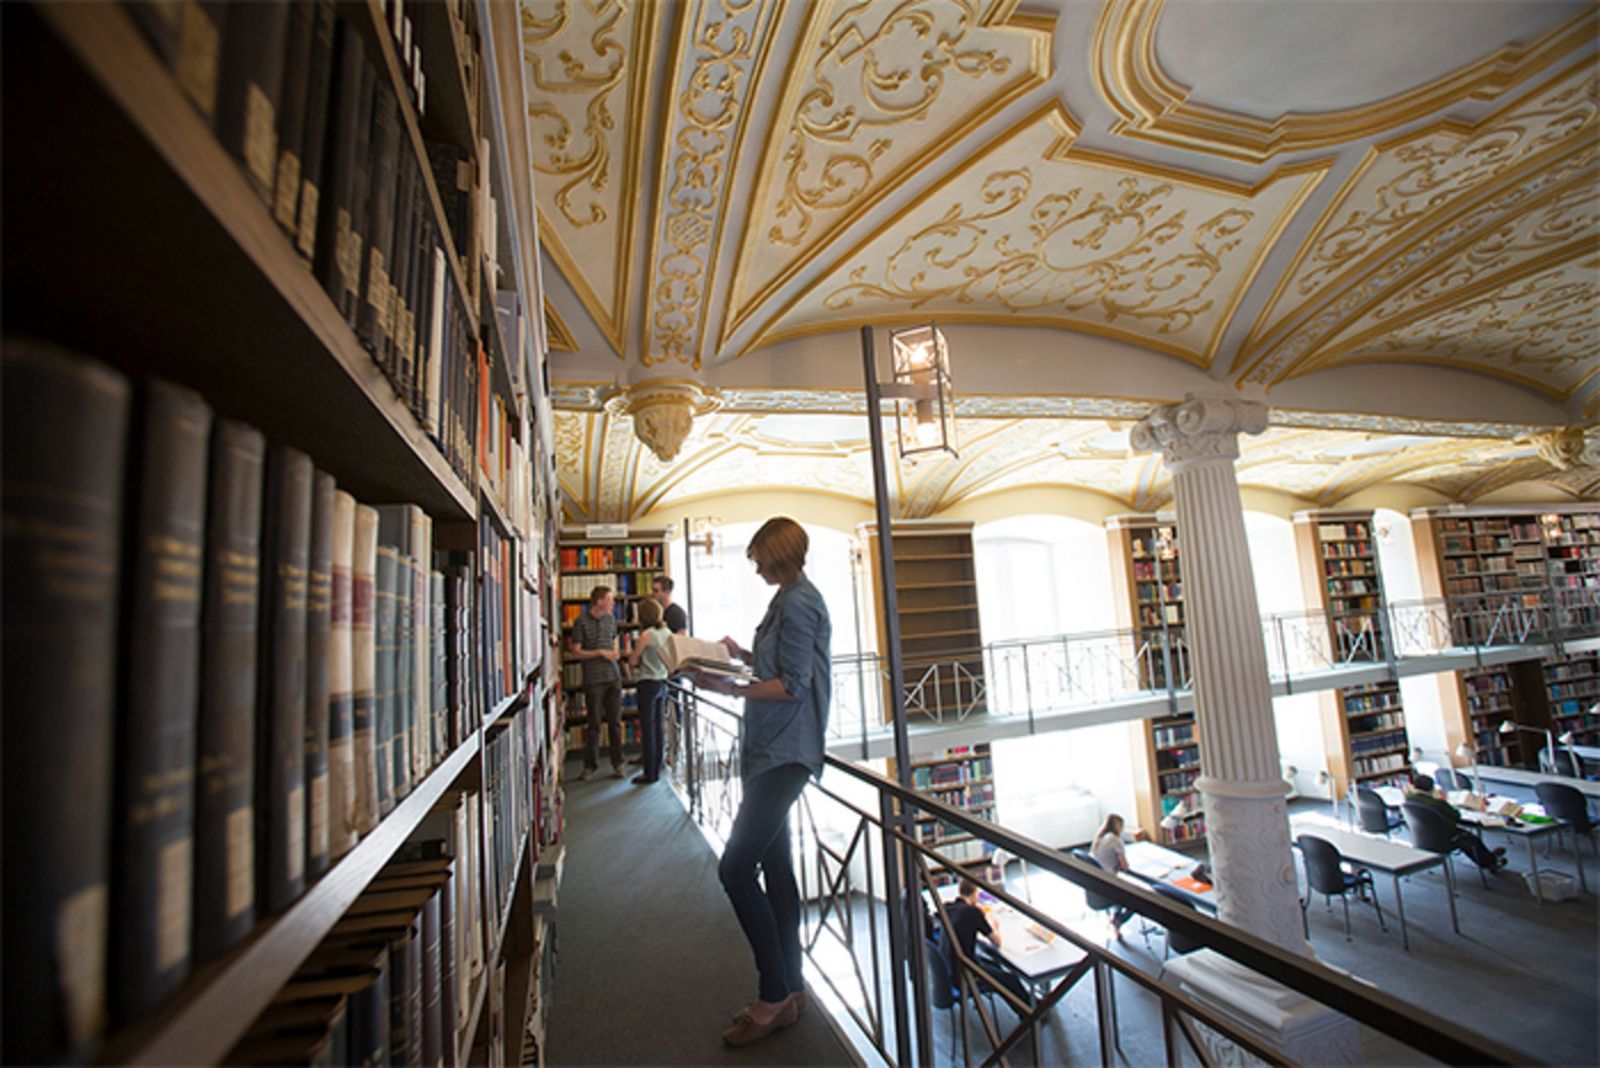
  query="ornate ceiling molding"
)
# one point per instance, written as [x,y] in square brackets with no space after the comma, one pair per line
[555,330]
[872,93]
[1030,231]
[1153,106]
[587,69]
[663,411]
[722,52]
[1415,201]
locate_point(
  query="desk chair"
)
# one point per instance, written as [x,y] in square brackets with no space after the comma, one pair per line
[1567,803]
[1376,817]
[1327,875]
[1431,831]
[1176,942]
[944,992]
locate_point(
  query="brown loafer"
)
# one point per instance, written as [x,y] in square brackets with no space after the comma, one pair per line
[745,1030]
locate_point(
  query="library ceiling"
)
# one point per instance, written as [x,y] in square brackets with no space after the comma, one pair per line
[1379,213]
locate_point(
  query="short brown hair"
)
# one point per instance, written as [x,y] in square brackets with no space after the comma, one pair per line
[967,888]
[649,613]
[780,545]
[598,594]
[664,581]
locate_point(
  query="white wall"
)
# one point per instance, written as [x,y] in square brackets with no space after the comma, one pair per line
[1040,575]
[1272,559]
[1058,787]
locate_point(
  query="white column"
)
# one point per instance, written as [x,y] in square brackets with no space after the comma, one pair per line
[1245,795]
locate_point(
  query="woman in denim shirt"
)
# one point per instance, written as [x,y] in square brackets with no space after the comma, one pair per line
[785,721]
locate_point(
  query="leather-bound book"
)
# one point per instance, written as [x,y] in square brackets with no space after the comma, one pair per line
[319,639]
[224,884]
[439,665]
[281,680]
[433,1025]
[394,361]
[383,678]
[319,81]
[153,883]
[363,668]
[372,317]
[292,116]
[200,27]
[338,264]
[343,819]
[250,89]
[63,434]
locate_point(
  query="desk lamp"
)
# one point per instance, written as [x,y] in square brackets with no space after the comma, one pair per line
[1466,749]
[1508,727]
[1324,779]
[1567,740]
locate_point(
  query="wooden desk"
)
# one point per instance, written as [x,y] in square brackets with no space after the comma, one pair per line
[1380,854]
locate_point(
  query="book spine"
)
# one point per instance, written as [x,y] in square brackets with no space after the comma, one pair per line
[251,88]
[292,115]
[343,817]
[383,677]
[372,316]
[339,273]
[319,637]
[225,852]
[415,995]
[399,277]
[281,701]
[439,664]
[200,28]
[447,969]
[368,1033]
[432,995]
[402,951]
[404,710]
[62,442]
[363,648]
[319,81]
[423,752]
[432,394]
[153,889]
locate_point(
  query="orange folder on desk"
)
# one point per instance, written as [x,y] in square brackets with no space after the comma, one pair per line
[1191,884]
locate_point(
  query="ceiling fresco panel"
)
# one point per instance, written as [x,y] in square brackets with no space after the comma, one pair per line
[1031,232]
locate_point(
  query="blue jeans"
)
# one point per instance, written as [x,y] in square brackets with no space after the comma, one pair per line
[652,695]
[771,916]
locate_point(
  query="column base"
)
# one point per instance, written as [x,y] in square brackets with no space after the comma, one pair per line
[1302,1030]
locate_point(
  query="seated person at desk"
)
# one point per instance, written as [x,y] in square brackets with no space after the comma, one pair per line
[1465,841]
[968,921]
[1108,853]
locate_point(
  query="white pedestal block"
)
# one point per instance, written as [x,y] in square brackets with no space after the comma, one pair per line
[1303,1030]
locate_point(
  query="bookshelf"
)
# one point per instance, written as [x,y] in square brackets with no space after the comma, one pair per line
[1495,568]
[1475,702]
[963,778]
[199,282]
[1363,727]
[1147,595]
[626,563]
[1572,687]
[936,590]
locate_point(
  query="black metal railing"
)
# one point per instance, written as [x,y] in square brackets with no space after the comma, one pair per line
[869,952]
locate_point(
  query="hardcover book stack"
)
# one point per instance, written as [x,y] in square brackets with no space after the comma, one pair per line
[255,646]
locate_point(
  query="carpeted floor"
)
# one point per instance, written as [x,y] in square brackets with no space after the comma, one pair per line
[651,964]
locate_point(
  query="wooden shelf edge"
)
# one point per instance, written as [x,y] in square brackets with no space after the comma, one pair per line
[203,1030]
[112,51]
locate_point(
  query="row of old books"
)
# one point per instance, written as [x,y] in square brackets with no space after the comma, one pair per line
[220,671]
[397,978]
[293,92]
[508,613]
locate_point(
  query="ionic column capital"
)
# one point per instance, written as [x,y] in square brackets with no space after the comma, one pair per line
[1200,428]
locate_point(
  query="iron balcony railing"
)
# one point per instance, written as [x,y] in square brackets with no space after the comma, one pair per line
[1030,676]
[868,885]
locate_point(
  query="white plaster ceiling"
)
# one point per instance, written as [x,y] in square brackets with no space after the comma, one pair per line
[1349,209]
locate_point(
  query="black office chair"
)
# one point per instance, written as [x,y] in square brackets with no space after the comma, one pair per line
[1431,831]
[1177,942]
[942,988]
[1446,780]
[1327,875]
[1376,816]
[1567,804]
[1096,902]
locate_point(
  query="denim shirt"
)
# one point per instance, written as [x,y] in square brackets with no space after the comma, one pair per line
[793,643]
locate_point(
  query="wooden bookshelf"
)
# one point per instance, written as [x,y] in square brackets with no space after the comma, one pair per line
[1476,702]
[941,641]
[1363,727]
[1147,596]
[135,238]
[1572,688]
[1490,565]
[628,565]
[963,778]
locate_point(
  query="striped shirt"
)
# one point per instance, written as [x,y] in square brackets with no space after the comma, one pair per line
[591,632]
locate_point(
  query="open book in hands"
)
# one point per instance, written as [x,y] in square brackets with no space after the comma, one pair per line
[685,654]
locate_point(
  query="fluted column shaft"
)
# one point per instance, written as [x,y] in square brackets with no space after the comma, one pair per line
[1245,796]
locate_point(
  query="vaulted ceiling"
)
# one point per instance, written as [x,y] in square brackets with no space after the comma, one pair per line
[1348,209]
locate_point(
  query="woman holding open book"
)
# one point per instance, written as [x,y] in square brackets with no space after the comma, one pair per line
[785,722]
[649,666]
